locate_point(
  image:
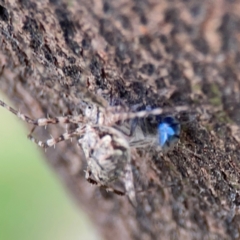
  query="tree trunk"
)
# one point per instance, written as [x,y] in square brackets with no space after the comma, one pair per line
[155,53]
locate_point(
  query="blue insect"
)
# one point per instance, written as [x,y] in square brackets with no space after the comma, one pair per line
[161,131]
[168,132]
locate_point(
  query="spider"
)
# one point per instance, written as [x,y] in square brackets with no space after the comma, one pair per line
[104,143]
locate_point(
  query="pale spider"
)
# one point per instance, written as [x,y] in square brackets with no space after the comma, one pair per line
[104,143]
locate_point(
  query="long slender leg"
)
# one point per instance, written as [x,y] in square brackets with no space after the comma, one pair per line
[53,141]
[129,186]
[110,189]
[132,128]
[121,116]
[44,121]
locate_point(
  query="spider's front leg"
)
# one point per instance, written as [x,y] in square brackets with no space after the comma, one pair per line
[53,141]
[44,121]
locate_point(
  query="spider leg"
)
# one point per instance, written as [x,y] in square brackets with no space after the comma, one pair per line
[122,116]
[133,126]
[130,131]
[108,189]
[129,186]
[44,121]
[53,141]
[32,130]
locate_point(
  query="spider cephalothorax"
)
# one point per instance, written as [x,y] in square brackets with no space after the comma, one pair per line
[108,155]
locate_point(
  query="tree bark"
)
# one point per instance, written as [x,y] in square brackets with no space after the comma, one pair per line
[158,53]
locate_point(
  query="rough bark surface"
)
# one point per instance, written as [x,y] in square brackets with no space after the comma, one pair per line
[161,53]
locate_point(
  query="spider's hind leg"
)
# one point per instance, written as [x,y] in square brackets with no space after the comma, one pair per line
[107,188]
[128,182]
[129,185]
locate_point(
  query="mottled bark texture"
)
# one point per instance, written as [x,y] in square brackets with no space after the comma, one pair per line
[159,53]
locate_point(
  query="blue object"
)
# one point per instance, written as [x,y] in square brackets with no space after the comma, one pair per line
[168,132]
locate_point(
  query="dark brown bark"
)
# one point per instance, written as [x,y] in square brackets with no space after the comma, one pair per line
[159,53]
